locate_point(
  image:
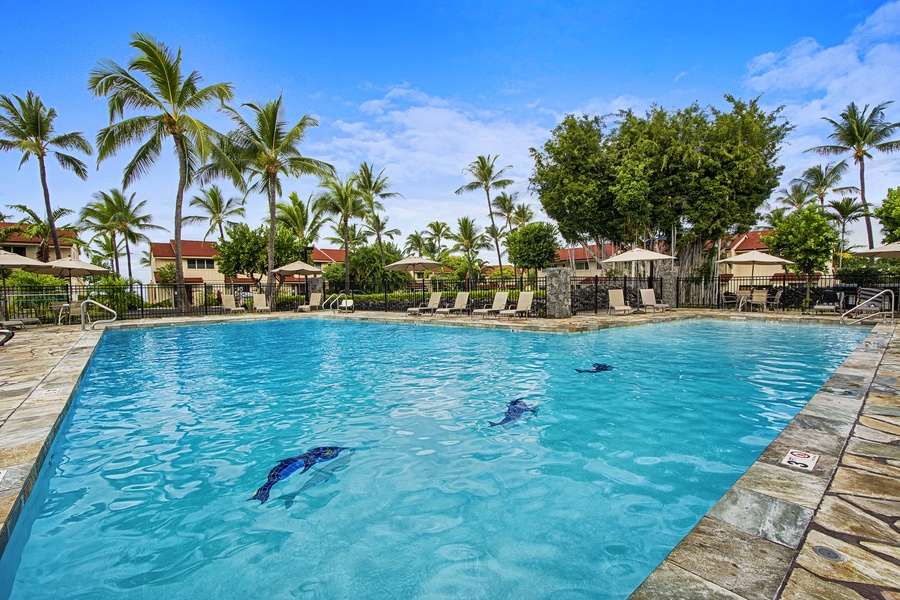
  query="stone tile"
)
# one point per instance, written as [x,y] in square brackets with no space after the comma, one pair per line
[862,483]
[17,455]
[777,450]
[858,566]
[834,406]
[788,484]
[6,504]
[888,508]
[864,448]
[840,516]
[867,464]
[762,516]
[888,549]
[882,423]
[744,564]
[873,435]
[803,585]
[670,582]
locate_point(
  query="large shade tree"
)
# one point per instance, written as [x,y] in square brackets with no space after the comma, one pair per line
[486,176]
[154,84]
[858,132]
[805,237]
[27,125]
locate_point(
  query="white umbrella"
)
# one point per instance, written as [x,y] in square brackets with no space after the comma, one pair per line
[69,267]
[754,258]
[414,263]
[10,260]
[636,255]
[888,251]
[298,267]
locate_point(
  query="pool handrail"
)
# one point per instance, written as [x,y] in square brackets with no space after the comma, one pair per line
[85,317]
[881,313]
[331,302]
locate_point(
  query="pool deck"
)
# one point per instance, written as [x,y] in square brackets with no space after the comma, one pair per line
[779,532]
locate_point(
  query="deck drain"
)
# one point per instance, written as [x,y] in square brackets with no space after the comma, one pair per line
[828,553]
[52,392]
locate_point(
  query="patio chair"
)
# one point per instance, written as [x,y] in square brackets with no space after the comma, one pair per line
[314,302]
[6,335]
[523,306]
[346,306]
[775,302]
[498,304]
[729,300]
[61,310]
[433,303]
[865,302]
[743,298]
[758,298]
[229,305]
[831,302]
[617,302]
[259,303]
[648,299]
[460,305]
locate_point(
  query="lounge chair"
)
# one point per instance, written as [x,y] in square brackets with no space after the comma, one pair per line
[346,306]
[758,298]
[831,302]
[523,306]
[433,303]
[12,324]
[495,308]
[617,302]
[648,299]
[229,305]
[460,305]
[5,336]
[259,303]
[865,302]
[314,302]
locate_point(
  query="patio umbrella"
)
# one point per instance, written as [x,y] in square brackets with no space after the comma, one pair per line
[67,267]
[10,260]
[298,267]
[889,251]
[637,255]
[414,263]
[754,258]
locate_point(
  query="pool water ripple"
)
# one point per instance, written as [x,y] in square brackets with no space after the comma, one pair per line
[145,494]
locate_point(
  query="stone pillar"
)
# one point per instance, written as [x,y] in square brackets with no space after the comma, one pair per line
[559,298]
[316,284]
[669,292]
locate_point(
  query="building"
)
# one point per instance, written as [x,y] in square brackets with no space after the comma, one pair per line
[585,265]
[30,247]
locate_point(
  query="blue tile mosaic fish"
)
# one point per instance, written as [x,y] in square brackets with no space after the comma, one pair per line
[514,410]
[288,466]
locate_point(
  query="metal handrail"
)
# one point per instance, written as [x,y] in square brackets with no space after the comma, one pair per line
[85,317]
[331,302]
[881,313]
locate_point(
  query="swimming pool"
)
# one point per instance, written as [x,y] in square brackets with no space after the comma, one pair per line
[145,493]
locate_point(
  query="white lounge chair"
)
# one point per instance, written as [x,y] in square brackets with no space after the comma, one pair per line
[831,302]
[229,305]
[259,303]
[433,303]
[495,308]
[314,303]
[460,305]
[617,302]
[346,306]
[523,306]
[648,299]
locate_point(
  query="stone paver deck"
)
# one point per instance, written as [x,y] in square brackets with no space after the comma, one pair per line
[758,541]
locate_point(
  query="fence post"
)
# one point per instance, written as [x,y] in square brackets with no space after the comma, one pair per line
[596,294]
[384,289]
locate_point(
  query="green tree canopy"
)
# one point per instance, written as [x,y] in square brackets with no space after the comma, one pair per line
[806,237]
[889,215]
[246,251]
[533,246]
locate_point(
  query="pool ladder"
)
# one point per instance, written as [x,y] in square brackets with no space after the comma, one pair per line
[333,301]
[867,303]
[86,318]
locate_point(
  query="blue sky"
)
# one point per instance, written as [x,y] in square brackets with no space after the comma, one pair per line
[422,88]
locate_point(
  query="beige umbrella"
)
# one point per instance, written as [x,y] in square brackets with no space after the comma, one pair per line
[635,255]
[10,260]
[888,251]
[754,258]
[414,263]
[298,267]
[69,267]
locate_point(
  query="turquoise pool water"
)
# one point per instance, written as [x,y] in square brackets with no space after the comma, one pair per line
[145,494]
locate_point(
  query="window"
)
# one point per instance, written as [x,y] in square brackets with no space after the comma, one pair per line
[201,263]
[20,250]
[581,266]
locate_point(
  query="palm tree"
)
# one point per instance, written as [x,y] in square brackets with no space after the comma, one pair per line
[304,219]
[145,259]
[505,206]
[378,227]
[436,231]
[522,216]
[357,237]
[105,251]
[820,180]
[374,189]
[217,210]
[170,98]
[100,217]
[487,176]
[33,226]
[342,200]
[858,133]
[27,125]
[132,222]
[265,151]
[470,240]
[846,211]
[775,216]
[797,195]
[415,244]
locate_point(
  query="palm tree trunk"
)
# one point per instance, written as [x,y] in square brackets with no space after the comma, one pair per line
[496,239]
[115,249]
[128,258]
[271,275]
[862,198]
[381,249]
[180,290]
[53,235]
[346,256]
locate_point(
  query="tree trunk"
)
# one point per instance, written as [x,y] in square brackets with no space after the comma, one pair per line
[494,225]
[53,235]
[128,258]
[115,249]
[862,198]
[346,255]
[271,253]
[381,249]
[180,290]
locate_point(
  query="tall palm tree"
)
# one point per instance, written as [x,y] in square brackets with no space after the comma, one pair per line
[342,200]
[846,211]
[774,217]
[436,232]
[304,219]
[374,189]
[415,244]
[820,180]
[486,176]
[33,226]
[357,236]
[522,216]
[216,208]
[797,195]
[105,250]
[505,206]
[27,125]
[265,151]
[170,98]
[378,226]
[859,132]
[470,240]
[100,217]
[132,222]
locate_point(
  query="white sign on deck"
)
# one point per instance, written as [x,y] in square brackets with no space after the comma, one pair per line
[800,460]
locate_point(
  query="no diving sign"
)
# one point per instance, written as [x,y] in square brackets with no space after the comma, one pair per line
[800,460]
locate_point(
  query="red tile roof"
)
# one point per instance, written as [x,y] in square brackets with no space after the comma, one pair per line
[189,249]
[579,252]
[327,255]
[744,242]
[18,239]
